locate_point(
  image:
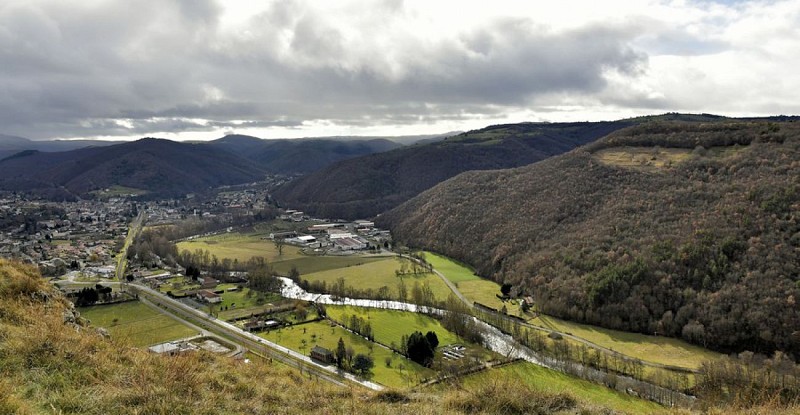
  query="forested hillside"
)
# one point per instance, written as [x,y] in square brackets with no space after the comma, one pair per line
[681,229]
[161,167]
[366,186]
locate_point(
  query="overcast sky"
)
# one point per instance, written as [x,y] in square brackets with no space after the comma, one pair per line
[199,69]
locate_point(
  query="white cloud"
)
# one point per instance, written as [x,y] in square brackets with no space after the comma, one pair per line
[181,69]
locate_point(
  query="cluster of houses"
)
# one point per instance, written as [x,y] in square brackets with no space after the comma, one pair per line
[87,234]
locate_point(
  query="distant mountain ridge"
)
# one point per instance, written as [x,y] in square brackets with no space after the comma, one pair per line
[161,167]
[14,144]
[685,229]
[368,185]
[299,156]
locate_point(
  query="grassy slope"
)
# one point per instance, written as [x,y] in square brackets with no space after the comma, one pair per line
[374,275]
[656,349]
[50,367]
[136,323]
[552,381]
[473,287]
[322,334]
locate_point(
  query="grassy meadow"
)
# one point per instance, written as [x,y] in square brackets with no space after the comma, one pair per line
[376,274]
[311,264]
[401,373]
[473,287]
[389,326]
[655,349]
[241,247]
[136,322]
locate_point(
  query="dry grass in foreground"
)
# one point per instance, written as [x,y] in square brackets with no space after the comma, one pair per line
[51,363]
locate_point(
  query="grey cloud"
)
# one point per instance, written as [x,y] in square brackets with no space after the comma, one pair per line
[73,70]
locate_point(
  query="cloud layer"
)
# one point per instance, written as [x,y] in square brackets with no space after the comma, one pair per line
[188,69]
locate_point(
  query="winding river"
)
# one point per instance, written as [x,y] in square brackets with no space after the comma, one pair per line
[503,344]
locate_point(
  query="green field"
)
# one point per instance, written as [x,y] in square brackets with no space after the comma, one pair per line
[241,247]
[473,287]
[311,264]
[541,378]
[389,326]
[452,270]
[402,373]
[655,349]
[374,275]
[136,322]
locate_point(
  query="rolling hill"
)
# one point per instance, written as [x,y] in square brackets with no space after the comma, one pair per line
[14,144]
[160,167]
[366,186]
[682,229]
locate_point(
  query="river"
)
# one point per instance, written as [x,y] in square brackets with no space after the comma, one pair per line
[503,344]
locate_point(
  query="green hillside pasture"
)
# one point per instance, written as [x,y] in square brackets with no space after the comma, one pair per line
[452,270]
[655,349]
[485,292]
[544,379]
[241,247]
[136,322]
[389,326]
[472,286]
[374,275]
[401,374]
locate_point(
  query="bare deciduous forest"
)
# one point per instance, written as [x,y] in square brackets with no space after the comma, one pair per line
[705,249]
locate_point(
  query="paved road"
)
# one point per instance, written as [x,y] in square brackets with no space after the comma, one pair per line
[251,341]
[133,230]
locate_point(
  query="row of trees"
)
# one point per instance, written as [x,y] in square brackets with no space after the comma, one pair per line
[750,379]
[421,294]
[359,325]
[90,295]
